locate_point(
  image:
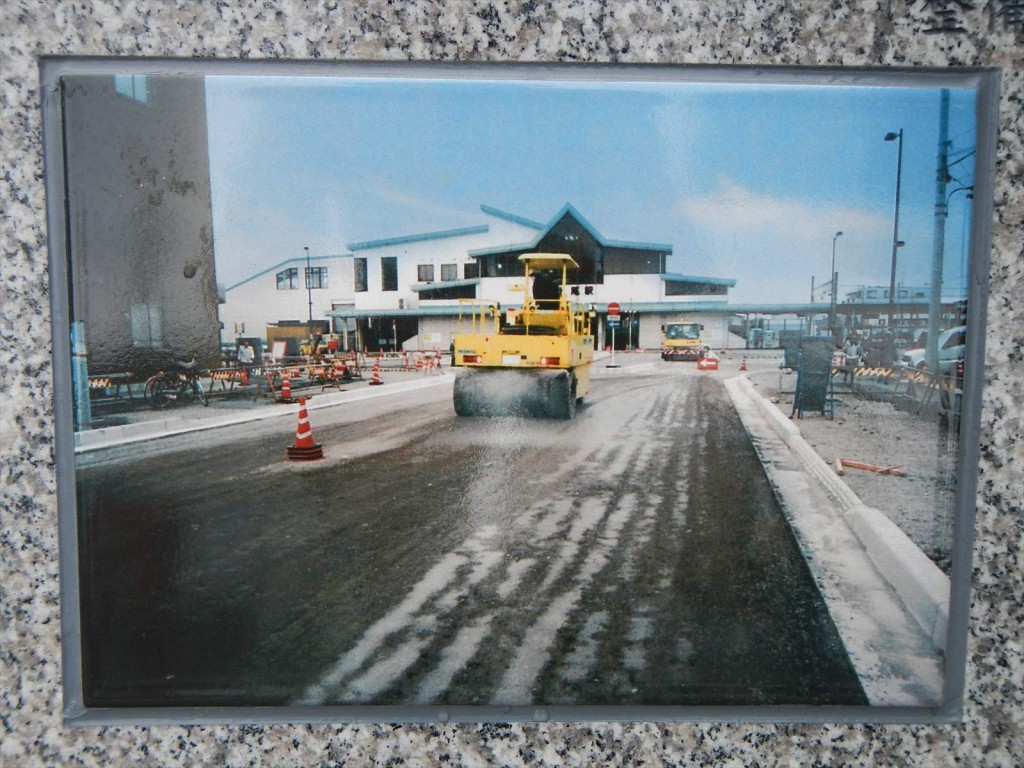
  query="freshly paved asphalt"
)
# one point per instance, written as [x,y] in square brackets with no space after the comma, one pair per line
[636,555]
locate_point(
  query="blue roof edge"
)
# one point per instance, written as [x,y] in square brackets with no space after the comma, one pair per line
[492,211]
[441,235]
[417,287]
[299,259]
[691,279]
[667,247]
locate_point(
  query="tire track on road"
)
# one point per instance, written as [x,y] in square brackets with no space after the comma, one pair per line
[605,513]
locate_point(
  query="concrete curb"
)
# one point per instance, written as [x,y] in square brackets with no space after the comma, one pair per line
[920,584]
[109,437]
[603,370]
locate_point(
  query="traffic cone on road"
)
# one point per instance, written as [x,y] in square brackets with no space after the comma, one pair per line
[743,364]
[285,395]
[304,449]
[376,374]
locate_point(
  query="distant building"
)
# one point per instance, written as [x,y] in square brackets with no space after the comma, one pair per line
[287,295]
[140,222]
[868,307]
[403,292]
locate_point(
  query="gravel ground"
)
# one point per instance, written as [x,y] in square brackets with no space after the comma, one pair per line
[877,432]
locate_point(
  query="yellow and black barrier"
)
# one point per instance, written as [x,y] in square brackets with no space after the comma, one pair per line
[920,385]
[120,383]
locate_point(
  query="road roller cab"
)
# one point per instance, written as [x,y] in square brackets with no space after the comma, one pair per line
[534,360]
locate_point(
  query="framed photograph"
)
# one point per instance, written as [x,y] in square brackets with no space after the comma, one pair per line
[468,392]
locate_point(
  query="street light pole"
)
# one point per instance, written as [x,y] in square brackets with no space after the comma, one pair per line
[832,307]
[895,226]
[309,288]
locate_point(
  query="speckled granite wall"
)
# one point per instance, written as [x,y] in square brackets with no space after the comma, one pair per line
[758,32]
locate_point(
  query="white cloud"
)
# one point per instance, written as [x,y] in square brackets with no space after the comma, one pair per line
[774,246]
[741,210]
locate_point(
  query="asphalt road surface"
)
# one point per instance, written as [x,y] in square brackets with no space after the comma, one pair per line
[635,555]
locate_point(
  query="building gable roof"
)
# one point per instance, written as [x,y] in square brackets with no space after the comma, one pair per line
[570,210]
[491,211]
[440,235]
[286,262]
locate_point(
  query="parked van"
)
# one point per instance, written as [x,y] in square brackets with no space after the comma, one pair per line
[951,349]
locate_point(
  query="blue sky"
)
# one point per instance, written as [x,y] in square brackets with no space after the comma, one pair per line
[745,182]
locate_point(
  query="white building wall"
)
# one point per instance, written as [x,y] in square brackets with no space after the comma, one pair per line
[254,304]
[435,333]
[448,250]
[627,289]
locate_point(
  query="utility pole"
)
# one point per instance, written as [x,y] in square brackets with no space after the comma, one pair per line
[895,231]
[931,355]
[309,289]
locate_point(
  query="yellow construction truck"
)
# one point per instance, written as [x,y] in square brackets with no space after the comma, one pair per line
[531,361]
[681,341]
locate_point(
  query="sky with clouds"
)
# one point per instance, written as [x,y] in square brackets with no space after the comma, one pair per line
[746,182]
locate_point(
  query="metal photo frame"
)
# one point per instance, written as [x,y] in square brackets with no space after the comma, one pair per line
[141,196]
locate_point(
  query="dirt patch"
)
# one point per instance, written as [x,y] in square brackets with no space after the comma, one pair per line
[878,432]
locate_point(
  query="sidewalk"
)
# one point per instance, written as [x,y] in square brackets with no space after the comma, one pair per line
[196,418]
[889,602]
[240,406]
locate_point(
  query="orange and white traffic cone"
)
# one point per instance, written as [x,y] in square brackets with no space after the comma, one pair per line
[376,374]
[285,395]
[304,449]
[743,364]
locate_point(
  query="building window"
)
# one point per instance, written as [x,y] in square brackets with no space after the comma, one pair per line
[359,271]
[919,294]
[448,292]
[424,273]
[147,325]
[904,293]
[135,87]
[872,294]
[288,279]
[316,277]
[389,273]
[471,270]
[449,272]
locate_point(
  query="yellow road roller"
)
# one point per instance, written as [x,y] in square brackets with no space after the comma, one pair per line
[532,360]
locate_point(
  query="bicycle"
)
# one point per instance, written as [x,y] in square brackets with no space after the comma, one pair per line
[182,385]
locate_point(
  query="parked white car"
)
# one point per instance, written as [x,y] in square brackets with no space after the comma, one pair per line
[951,349]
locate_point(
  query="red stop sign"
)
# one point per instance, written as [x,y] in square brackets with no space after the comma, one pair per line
[613,308]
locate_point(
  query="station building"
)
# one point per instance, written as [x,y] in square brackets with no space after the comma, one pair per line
[403,293]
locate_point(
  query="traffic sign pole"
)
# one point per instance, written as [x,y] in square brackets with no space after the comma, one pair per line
[613,323]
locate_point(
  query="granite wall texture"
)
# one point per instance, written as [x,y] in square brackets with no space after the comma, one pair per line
[756,32]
